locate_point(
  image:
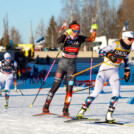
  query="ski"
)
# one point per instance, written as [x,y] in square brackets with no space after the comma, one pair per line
[111,123]
[41,114]
[82,119]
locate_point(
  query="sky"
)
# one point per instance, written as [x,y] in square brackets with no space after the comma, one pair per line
[22,12]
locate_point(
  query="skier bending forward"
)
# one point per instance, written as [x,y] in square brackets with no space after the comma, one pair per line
[8,70]
[114,54]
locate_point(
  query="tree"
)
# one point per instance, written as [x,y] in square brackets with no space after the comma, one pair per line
[52,34]
[6,41]
[15,36]
[40,31]
[125,13]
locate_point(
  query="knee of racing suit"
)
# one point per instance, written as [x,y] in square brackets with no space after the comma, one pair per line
[58,77]
[71,81]
[88,101]
[6,94]
[113,101]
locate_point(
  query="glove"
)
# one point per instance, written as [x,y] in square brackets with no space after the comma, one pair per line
[102,53]
[19,73]
[68,32]
[94,26]
[111,57]
[127,75]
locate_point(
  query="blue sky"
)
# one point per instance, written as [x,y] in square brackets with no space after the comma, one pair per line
[22,12]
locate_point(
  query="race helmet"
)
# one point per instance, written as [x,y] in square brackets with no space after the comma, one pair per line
[7,57]
[127,34]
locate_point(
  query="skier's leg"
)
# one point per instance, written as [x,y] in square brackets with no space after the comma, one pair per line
[99,84]
[69,88]
[8,83]
[0,88]
[57,81]
[115,84]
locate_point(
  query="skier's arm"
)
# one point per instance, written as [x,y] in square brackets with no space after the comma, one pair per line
[15,69]
[92,38]
[61,38]
[110,47]
[126,70]
[107,51]
[94,27]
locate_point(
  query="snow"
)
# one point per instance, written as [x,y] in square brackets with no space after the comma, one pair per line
[19,119]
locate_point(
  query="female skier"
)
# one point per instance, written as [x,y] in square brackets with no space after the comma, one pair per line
[114,54]
[8,71]
[67,65]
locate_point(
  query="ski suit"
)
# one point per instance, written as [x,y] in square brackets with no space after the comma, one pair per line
[109,71]
[67,66]
[6,75]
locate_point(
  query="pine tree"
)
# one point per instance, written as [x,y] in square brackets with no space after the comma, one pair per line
[52,34]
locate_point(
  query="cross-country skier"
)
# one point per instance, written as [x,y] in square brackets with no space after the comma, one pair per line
[114,53]
[67,64]
[8,71]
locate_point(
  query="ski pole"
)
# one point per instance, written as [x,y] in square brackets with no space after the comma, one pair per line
[114,81]
[80,90]
[47,86]
[37,95]
[48,72]
[20,90]
[89,68]
[125,27]
[91,64]
[105,84]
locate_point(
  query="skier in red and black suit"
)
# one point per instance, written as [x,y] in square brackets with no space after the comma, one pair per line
[67,64]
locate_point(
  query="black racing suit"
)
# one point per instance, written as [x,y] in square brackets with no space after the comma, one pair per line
[66,66]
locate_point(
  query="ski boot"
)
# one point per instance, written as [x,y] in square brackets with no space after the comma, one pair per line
[3,90]
[46,107]
[47,103]
[6,103]
[65,112]
[81,113]
[109,117]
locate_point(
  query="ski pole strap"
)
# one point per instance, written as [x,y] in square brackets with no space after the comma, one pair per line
[88,68]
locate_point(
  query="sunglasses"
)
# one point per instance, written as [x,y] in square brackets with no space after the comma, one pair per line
[8,58]
[76,31]
[130,39]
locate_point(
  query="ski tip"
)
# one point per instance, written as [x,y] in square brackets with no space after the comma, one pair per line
[31,106]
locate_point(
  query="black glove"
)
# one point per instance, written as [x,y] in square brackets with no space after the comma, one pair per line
[112,57]
[127,75]
[102,53]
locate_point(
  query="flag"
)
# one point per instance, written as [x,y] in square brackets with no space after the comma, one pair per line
[40,41]
[64,26]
